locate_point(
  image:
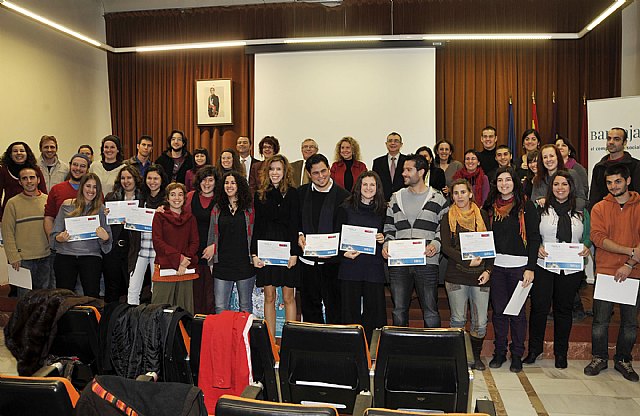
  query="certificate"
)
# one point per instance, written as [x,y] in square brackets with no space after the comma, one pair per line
[274,253]
[82,228]
[20,278]
[477,244]
[407,253]
[619,292]
[321,245]
[563,256]
[173,272]
[517,300]
[118,211]
[139,219]
[360,239]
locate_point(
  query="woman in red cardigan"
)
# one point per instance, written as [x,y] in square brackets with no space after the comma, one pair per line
[347,166]
[175,240]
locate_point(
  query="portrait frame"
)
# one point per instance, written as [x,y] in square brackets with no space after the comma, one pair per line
[208,113]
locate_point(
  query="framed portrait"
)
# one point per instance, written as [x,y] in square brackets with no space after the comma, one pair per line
[214,102]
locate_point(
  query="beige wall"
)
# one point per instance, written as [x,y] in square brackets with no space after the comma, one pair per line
[50,83]
[631,49]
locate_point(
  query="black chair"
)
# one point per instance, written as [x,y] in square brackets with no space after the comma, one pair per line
[388,412]
[326,364]
[421,368]
[37,395]
[237,406]
[264,356]
[77,336]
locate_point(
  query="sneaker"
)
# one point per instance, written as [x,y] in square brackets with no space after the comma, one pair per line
[596,365]
[625,368]
[516,364]
[498,360]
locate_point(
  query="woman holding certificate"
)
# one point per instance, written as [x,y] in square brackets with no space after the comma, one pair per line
[115,266]
[277,210]
[175,241]
[141,253]
[229,242]
[514,220]
[466,280]
[362,275]
[559,222]
[80,236]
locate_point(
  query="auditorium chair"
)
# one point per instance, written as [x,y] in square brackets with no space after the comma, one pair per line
[327,364]
[422,368]
[238,406]
[264,356]
[43,394]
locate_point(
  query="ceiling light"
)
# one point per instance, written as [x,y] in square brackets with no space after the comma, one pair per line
[52,24]
[498,36]
[615,6]
[334,39]
[181,46]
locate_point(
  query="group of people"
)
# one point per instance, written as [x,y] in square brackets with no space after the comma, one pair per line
[208,221]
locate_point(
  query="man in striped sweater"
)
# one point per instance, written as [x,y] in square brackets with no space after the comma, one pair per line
[415,213]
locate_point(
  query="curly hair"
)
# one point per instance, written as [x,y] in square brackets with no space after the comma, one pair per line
[272,141]
[236,165]
[266,185]
[355,148]
[243,196]
[80,203]
[204,172]
[7,161]
[117,185]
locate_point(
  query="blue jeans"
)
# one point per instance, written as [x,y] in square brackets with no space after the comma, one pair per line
[222,294]
[40,274]
[600,330]
[461,295]
[425,279]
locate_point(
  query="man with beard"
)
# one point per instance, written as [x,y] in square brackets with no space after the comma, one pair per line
[615,231]
[52,168]
[177,160]
[415,212]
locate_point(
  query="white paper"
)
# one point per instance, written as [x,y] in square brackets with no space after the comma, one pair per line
[139,219]
[82,228]
[20,278]
[407,252]
[360,239]
[173,272]
[608,289]
[477,244]
[321,245]
[518,299]
[564,256]
[274,253]
[118,211]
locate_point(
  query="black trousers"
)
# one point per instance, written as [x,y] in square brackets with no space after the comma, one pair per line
[364,303]
[115,268]
[69,267]
[320,285]
[559,289]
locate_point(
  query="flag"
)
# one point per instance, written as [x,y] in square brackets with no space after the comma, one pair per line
[584,134]
[534,113]
[554,124]
[513,147]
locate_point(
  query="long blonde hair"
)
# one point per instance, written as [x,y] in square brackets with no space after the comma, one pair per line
[80,203]
[355,148]
[265,181]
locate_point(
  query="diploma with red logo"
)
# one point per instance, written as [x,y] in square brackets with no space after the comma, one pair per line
[477,244]
[321,245]
[118,211]
[82,228]
[564,256]
[407,253]
[139,219]
[360,239]
[274,253]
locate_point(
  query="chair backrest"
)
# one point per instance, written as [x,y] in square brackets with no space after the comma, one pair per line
[422,368]
[323,364]
[42,396]
[388,412]
[264,355]
[77,335]
[237,406]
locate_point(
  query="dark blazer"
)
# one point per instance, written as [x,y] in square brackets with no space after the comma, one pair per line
[381,167]
[167,163]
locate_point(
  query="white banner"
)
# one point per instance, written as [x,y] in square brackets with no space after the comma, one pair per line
[612,112]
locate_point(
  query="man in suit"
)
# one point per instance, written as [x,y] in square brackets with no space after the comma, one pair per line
[392,161]
[243,146]
[308,148]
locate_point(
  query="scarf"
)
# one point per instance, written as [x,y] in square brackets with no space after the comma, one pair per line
[502,209]
[474,178]
[570,163]
[469,220]
[563,232]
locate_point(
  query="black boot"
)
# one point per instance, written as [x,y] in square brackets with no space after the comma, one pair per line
[476,347]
